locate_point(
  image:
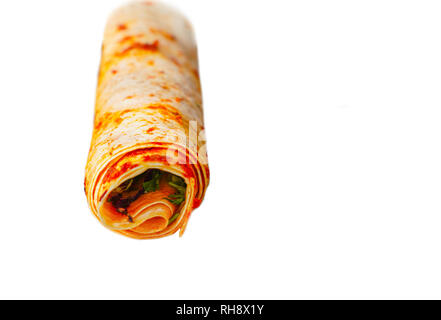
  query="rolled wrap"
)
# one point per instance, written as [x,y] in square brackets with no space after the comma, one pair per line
[148,115]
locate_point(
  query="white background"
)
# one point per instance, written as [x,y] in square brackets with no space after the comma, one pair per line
[324,140]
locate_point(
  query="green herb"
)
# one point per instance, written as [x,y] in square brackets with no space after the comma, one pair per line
[172,219]
[152,184]
[178,187]
[179,184]
[176,198]
[177,181]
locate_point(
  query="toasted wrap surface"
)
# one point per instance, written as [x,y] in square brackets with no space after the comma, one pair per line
[148,115]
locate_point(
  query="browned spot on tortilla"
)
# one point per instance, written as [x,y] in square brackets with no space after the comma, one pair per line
[125,39]
[140,46]
[196,73]
[98,125]
[163,33]
[119,118]
[158,107]
[122,27]
[167,111]
[175,61]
